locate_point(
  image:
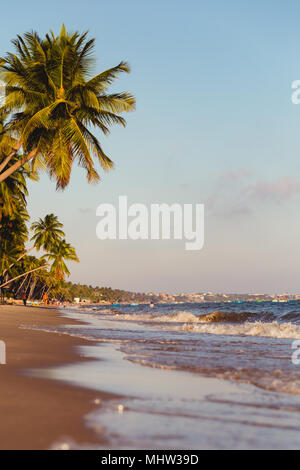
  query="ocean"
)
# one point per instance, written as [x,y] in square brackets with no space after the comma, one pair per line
[191,376]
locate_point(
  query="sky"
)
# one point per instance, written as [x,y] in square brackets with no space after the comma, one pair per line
[214,124]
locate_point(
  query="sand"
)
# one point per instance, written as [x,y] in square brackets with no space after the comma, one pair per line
[35,413]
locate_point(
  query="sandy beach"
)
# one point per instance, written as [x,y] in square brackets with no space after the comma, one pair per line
[36,412]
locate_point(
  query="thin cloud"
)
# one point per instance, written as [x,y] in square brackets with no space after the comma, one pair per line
[226,198]
[235,176]
[278,191]
[85,210]
[237,200]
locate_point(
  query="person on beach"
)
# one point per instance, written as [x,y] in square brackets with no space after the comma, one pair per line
[46,299]
[24,298]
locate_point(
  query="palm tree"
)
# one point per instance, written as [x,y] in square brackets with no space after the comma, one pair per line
[54,103]
[60,252]
[13,192]
[7,142]
[41,266]
[8,256]
[29,266]
[13,236]
[47,232]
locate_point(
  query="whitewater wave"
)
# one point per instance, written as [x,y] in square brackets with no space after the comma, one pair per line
[231,317]
[179,317]
[258,328]
[218,323]
[188,317]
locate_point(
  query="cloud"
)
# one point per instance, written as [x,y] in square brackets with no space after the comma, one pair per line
[278,191]
[238,199]
[85,210]
[226,199]
[235,176]
[238,210]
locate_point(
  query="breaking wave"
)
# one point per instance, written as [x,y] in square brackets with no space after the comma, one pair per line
[218,323]
[268,330]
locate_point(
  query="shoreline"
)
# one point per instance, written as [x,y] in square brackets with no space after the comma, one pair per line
[36,412]
[65,390]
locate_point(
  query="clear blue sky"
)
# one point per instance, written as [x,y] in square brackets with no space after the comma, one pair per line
[214,124]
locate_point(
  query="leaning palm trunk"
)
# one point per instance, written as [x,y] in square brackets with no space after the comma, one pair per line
[27,284]
[32,288]
[10,156]
[22,283]
[48,290]
[42,291]
[24,274]
[19,163]
[20,257]
[47,232]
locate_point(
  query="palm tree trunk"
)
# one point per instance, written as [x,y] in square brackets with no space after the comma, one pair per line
[10,156]
[48,290]
[42,291]
[24,274]
[20,257]
[32,288]
[21,162]
[26,286]
[22,283]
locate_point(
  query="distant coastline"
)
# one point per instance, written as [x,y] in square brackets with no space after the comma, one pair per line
[81,294]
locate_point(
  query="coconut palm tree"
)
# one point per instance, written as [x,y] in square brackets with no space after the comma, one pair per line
[13,236]
[54,103]
[59,253]
[31,265]
[7,142]
[42,265]
[47,232]
[13,192]
[8,255]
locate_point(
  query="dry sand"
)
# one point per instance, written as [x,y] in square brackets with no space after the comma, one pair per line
[35,413]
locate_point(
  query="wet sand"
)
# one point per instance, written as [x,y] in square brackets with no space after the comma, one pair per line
[37,412]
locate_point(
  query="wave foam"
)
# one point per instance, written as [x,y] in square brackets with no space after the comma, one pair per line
[217,323]
[269,330]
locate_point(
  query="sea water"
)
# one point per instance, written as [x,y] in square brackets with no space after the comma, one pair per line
[191,376]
